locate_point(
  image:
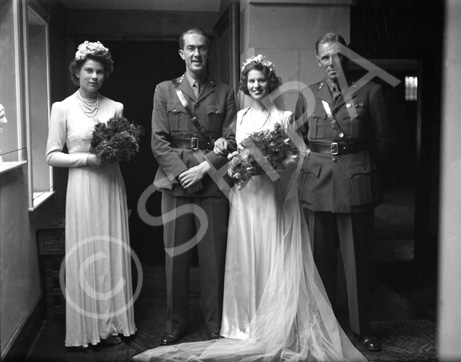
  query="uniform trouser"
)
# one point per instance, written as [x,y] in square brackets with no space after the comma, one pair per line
[194,219]
[352,233]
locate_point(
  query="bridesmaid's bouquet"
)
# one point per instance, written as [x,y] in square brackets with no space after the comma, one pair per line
[116,141]
[261,152]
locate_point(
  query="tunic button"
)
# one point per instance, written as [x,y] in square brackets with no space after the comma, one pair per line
[197,104]
[333,159]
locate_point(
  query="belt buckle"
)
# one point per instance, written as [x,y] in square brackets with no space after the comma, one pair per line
[334,148]
[194,143]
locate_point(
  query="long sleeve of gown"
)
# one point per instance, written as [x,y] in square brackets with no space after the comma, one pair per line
[57,139]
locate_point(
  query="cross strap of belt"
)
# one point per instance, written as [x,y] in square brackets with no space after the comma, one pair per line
[332,119]
[203,131]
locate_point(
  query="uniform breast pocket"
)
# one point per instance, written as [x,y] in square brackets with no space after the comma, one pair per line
[317,126]
[357,120]
[215,116]
[177,117]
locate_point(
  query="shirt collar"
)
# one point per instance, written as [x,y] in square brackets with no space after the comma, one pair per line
[331,84]
[192,80]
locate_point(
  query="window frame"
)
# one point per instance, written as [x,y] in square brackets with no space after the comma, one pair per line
[35,198]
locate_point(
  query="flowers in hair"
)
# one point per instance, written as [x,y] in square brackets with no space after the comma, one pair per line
[263,147]
[87,47]
[116,141]
[259,59]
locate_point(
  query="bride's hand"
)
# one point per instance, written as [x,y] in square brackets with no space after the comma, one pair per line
[231,155]
[289,163]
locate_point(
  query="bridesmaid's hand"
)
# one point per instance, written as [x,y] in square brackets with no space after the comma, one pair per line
[94,161]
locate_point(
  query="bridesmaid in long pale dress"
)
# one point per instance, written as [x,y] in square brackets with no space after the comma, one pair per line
[98,286]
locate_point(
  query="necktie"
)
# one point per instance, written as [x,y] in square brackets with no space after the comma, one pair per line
[336,92]
[196,88]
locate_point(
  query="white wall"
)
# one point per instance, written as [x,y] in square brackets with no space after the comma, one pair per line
[20,283]
[286,34]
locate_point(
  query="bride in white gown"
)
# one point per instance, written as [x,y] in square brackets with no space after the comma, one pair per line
[275,306]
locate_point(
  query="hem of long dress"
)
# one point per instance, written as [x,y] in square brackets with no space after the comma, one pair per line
[96,342]
[235,334]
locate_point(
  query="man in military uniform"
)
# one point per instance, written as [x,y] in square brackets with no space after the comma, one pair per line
[347,134]
[193,115]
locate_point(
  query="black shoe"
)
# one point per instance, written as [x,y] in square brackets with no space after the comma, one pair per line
[170,338]
[370,343]
[214,335]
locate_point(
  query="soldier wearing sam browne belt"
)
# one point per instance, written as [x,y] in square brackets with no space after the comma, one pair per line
[192,117]
[347,135]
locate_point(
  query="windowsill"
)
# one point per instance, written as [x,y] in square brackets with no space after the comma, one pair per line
[8,166]
[40,198]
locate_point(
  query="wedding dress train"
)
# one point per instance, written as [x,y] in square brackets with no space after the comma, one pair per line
[275,305]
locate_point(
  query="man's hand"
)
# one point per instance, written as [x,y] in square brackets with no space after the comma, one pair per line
[220,147]
[194,175]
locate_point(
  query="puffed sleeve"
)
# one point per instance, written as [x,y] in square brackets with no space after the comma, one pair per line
[119,109]
[293,131]
[57,139]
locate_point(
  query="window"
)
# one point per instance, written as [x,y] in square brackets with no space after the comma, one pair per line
[411,88]
[37,102]
[24,93]
[12,145]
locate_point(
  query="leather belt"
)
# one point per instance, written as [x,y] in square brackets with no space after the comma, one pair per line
[337,148]
[193,143]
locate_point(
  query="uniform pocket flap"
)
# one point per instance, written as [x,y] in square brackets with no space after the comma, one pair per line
[313,168]
[359,169]
[218,110]
[175,108]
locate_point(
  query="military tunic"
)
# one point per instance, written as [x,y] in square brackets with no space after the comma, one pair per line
[340,187]
[192,216]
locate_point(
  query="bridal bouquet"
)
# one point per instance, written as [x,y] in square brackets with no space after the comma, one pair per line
[116,141]
[259,151]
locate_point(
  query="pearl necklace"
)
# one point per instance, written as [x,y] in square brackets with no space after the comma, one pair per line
[88,106]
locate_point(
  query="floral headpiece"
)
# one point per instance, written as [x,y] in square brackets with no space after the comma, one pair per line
[90,48]
[259,59]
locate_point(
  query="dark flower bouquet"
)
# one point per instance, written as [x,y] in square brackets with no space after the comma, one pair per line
[116,141]
[261,152]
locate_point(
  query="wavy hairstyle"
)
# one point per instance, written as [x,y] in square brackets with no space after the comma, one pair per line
[97,53]
[269,72]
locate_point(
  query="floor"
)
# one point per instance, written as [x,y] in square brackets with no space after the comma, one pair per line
[403,315]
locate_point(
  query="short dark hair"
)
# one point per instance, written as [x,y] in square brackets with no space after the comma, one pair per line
[199,31]
[104,58]
[329,38]
[274,81]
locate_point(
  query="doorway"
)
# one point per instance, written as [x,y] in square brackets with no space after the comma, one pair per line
[139,66]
